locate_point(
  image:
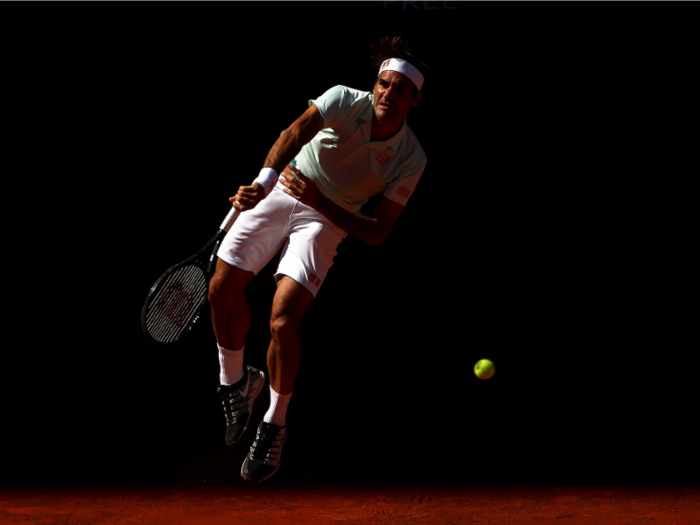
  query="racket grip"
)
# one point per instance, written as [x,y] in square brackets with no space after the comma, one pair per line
[230,219]
[210,266]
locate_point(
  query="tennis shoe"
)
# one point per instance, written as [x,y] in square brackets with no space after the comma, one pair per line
[263,460]
[238,404]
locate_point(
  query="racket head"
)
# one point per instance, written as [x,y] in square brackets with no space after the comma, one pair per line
[175,302]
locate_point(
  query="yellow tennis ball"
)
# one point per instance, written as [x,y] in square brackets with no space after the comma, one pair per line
[484,369]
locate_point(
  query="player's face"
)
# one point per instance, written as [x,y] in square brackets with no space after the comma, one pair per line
[394,96]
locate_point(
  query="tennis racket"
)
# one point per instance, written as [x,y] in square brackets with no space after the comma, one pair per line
[174,304]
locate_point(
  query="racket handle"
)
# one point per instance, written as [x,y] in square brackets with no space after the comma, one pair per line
[210,266]
[230,219]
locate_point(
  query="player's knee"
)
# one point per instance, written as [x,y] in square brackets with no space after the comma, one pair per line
[284,328]
[226,285]
[215,294]
[222,294]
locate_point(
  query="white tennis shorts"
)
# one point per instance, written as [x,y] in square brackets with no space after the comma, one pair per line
[308,240]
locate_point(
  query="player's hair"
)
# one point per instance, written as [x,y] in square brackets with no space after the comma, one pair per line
[395,47]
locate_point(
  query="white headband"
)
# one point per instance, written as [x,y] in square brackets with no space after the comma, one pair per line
[403,67]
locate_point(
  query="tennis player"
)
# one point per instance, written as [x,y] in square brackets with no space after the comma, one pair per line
[348,146]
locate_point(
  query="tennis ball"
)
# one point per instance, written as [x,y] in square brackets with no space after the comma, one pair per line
[484,369]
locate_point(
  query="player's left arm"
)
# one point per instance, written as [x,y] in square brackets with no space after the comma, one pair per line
[372,230]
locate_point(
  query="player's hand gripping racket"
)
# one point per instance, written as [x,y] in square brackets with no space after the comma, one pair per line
[175,301]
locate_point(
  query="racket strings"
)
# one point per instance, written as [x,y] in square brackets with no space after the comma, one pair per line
[174,307]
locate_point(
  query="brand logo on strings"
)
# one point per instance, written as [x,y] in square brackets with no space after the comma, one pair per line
[176,303]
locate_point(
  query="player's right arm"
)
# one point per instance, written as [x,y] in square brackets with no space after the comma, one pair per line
[283,151]
[293,138]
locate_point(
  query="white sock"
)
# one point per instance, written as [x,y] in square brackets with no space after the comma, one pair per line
[277,413]
[231,363]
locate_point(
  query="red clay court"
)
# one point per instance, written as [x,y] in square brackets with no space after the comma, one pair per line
[440,505]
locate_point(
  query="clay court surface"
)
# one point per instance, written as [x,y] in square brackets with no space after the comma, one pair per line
[443,505]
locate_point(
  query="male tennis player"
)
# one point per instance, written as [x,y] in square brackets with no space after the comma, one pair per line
[346,147]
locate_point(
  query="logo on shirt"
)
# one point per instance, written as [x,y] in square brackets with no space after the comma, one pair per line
[404,192]
[383,158]
[314,280]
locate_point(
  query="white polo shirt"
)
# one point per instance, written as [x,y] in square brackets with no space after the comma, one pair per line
[349,168]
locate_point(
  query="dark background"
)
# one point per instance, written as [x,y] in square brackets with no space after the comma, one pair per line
[546,235]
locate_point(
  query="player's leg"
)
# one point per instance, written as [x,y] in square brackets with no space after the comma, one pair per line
[231,319]
[230,313]
[239,385]
[283,357]
[253,240]
[304,264]
[284,354]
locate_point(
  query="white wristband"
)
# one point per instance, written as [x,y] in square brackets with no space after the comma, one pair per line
[267,178]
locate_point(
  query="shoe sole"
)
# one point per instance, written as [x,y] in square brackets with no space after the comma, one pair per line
[260,480]
[254,395]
